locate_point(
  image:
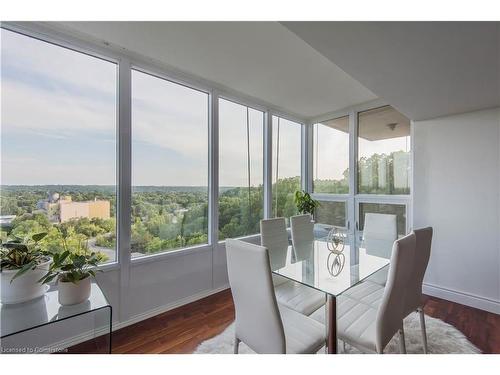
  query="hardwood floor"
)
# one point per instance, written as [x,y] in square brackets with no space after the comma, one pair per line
[482,328]
[176,331]
[181,330]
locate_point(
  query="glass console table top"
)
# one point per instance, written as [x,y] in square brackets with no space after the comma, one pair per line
[315,264]
[20,317]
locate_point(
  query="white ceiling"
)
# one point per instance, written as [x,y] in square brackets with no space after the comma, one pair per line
[375,124]
[259,59]
[424,69]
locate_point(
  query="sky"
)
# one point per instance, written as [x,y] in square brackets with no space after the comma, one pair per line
[57,116]
[58,126]
[233,166]
[331,153]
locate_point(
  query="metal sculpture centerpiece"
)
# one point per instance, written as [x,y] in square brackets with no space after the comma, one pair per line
[335,243]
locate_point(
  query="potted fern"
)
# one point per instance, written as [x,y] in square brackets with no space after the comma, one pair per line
[23,263]
[73,269]
[305,203]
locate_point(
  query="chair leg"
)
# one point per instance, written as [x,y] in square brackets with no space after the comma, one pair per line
[343,346]
[402,344]
[236,345]
[422,327]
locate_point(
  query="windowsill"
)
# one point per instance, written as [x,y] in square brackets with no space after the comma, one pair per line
[330,195]
[384,197]
[246,237]
[170,254]
[110,266]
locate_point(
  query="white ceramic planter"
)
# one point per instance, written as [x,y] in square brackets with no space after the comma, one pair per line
[25,287]
[71,294]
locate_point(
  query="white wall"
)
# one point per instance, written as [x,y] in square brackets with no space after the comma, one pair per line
[457,191]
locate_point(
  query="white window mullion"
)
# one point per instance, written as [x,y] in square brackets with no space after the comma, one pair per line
[268,165]
[304,138]
[352,209]
[353,170]
[213,173]
[124,161]
[308,159]
[124,118]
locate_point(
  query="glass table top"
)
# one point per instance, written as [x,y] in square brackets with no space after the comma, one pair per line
[45,310]
[330,264]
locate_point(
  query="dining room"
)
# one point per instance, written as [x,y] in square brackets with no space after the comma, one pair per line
[250,187]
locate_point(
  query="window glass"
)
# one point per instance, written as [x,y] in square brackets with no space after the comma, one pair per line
[331,213]
[399,210]
[169,165]
[241,135]
[383,152]
[331,156]
[286,161]
[58,146]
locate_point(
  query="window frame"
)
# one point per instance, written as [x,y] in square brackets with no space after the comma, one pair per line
[354,198]
[162,76]
[89,49]
[264,122]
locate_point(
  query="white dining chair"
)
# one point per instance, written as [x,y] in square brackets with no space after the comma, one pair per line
[260,323]
[372,289]
[379,233]
[413,299]
[274,237]
[291,294]
[302,229]
[370,328]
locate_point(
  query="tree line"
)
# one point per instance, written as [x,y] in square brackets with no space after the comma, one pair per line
[166,217]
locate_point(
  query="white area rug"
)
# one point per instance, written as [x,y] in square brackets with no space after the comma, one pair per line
[442,338]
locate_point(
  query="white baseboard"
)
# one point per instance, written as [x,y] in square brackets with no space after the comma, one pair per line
[85,336]
[168,307]
[478,302]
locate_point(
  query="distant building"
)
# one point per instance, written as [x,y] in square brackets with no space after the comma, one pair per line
[50,206]
[89,209]
[62,209]
[6,220]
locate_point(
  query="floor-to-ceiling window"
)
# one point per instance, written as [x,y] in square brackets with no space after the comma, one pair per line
[286,165]
[58,138]
[169,165]
[241,169]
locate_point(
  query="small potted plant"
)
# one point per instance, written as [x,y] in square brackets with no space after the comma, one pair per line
[305,204]
[73,269]
[23,262]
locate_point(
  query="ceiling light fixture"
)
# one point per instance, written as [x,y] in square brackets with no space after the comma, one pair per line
[392,125]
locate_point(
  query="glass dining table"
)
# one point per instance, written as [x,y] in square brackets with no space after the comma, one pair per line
[333,262]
